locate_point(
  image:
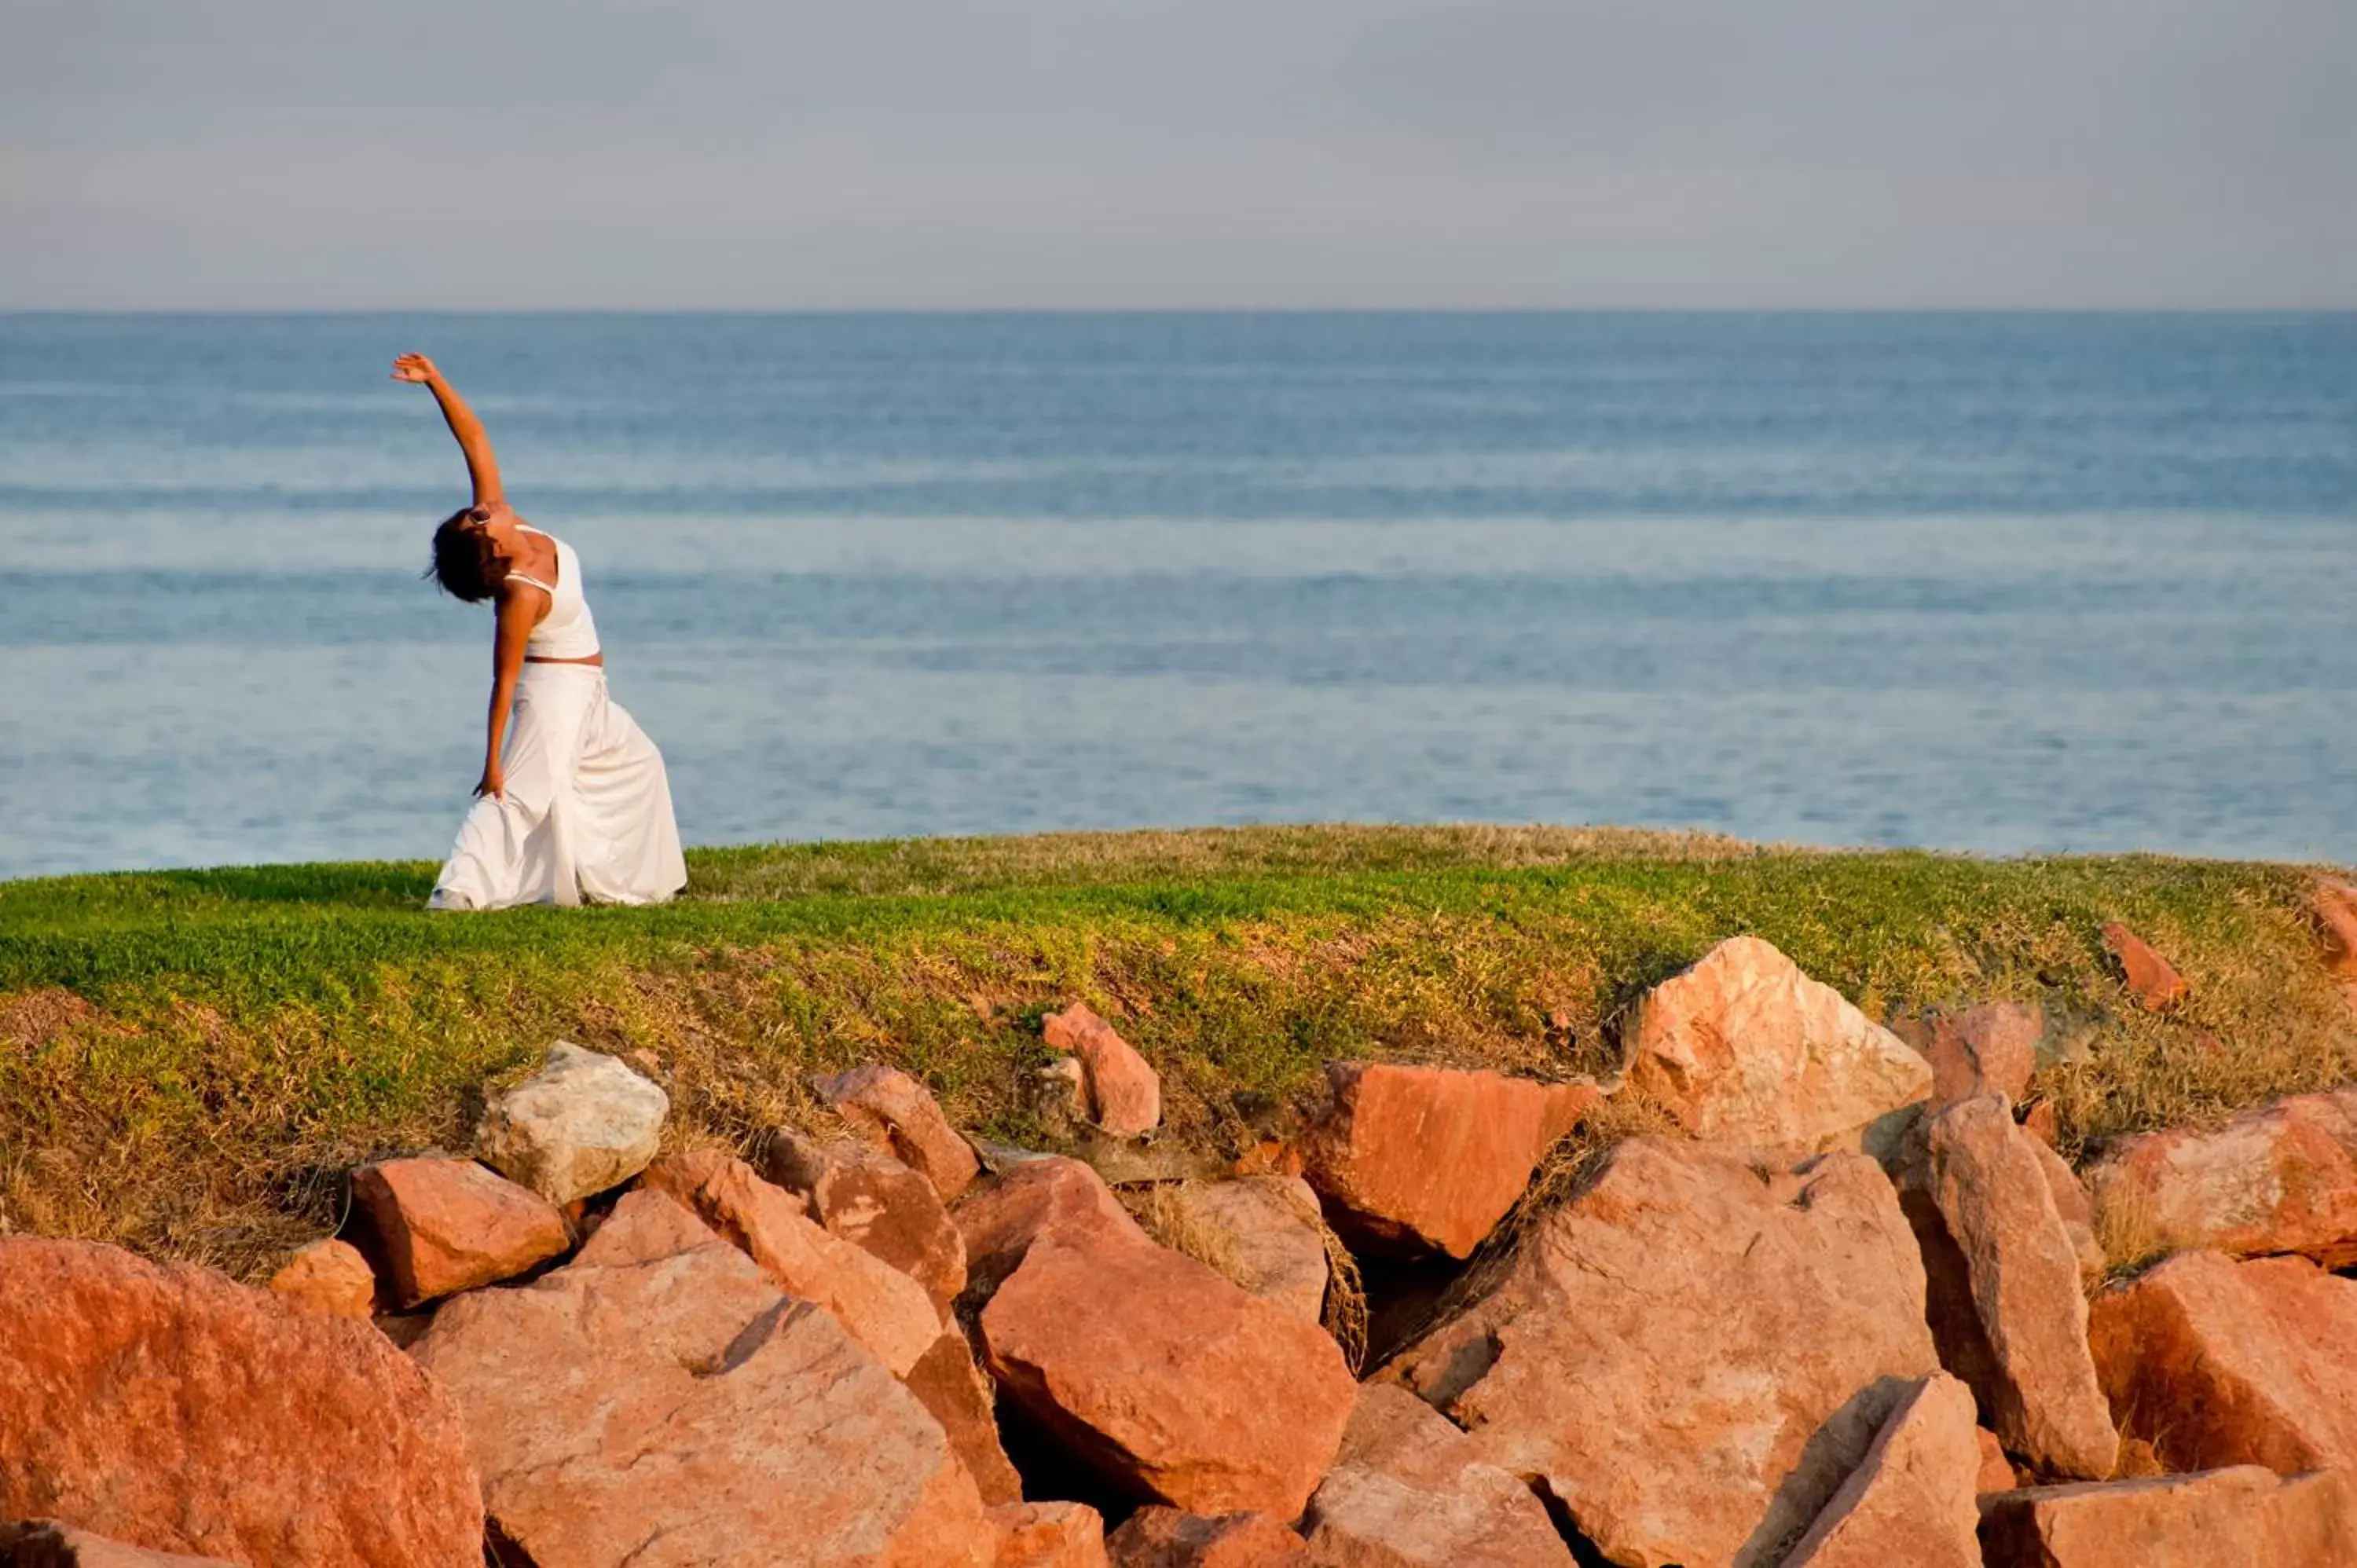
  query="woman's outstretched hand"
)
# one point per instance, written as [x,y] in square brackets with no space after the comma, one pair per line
[494,783]
[413,368]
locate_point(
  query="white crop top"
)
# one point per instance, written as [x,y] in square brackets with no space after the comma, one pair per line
[566,631]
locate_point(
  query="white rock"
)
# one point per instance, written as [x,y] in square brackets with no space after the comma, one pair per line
[1745,1048]
[583,1123]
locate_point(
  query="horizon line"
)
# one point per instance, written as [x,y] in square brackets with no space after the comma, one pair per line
[2348,309]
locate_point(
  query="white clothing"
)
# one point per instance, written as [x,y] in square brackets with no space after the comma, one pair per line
[587,809]
[566,631]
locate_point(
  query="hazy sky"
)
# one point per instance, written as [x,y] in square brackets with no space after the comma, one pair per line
[259,154]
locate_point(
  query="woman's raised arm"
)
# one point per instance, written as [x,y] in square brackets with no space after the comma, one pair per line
[481,467]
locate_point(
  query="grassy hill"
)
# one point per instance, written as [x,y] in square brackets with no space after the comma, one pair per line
[190,1060]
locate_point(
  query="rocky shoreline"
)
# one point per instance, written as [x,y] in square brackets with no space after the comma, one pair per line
[1840,1305]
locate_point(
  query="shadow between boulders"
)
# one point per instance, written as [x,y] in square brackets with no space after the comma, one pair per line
[1052,1472]
[501,1551]
[1826,1461]
[1406,1297]
[1584,1551]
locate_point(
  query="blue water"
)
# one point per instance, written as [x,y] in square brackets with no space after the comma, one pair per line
[1990,583]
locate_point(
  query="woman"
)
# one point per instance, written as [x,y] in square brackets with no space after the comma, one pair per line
[573,802]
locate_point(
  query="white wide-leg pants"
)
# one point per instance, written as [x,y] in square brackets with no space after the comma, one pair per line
[588,809]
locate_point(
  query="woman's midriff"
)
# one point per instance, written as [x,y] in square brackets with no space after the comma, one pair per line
[597,659]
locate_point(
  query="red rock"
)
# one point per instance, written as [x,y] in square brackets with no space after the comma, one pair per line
[2334,905]
[2245,1517]
[1989,1050]
[1050,1535]
[329,1276]
[2151,979]
[1267,1233]
[46,1544]
[2282,1179]
[1419,1157]
[1911,1500]
[2005,1305]
[1172,1382]
[2218,1363]
[2040,1120]
[1693,1351]
[678,1411]
[1000,1220]
[2076,1209]
[1743,1049]
[1996,1470]
[168,1408]
[872,1200]
[450,1225]
[1409,1490]
[893,1114]
[956,1393]
[1168,1538]
[645,1226]
[884,1309]
[1120,1091]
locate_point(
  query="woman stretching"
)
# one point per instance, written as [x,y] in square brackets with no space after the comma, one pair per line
[573,802]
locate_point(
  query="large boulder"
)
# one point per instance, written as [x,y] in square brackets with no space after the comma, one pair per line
[956,1393]
[1050,1535]
[894,1113]
[1260,1231]
[2282,1179]
[1693,1351]
[1743,1049]
[1996,1470]
[1170,1382]
[1171,1538]
[1119,1092]
[665,1408]
[884,1309]
[1001,1219]
[329,1276]
[47,1543]
[2242,1517]
[168,1408]
[1409,1490]
[872,1200]
[2006,1306]
[447,1224]
[2221,1363]
[2072,1202]
[583,1123]
[1991,1048]
[1427,1158]
[1911,1500]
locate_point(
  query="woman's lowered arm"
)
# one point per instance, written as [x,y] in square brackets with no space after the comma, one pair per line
[518,610]
[481,467]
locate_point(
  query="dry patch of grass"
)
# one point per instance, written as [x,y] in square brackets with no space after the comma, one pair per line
[1162,1211]
[190,1062]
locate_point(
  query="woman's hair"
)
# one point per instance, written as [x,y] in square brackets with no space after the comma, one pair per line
[466,562]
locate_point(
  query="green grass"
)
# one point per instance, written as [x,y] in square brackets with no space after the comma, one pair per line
[188,1060]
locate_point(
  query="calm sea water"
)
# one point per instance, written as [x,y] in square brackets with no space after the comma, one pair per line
[1991,582]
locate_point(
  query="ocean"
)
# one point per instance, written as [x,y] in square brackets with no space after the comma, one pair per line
[1992,582]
